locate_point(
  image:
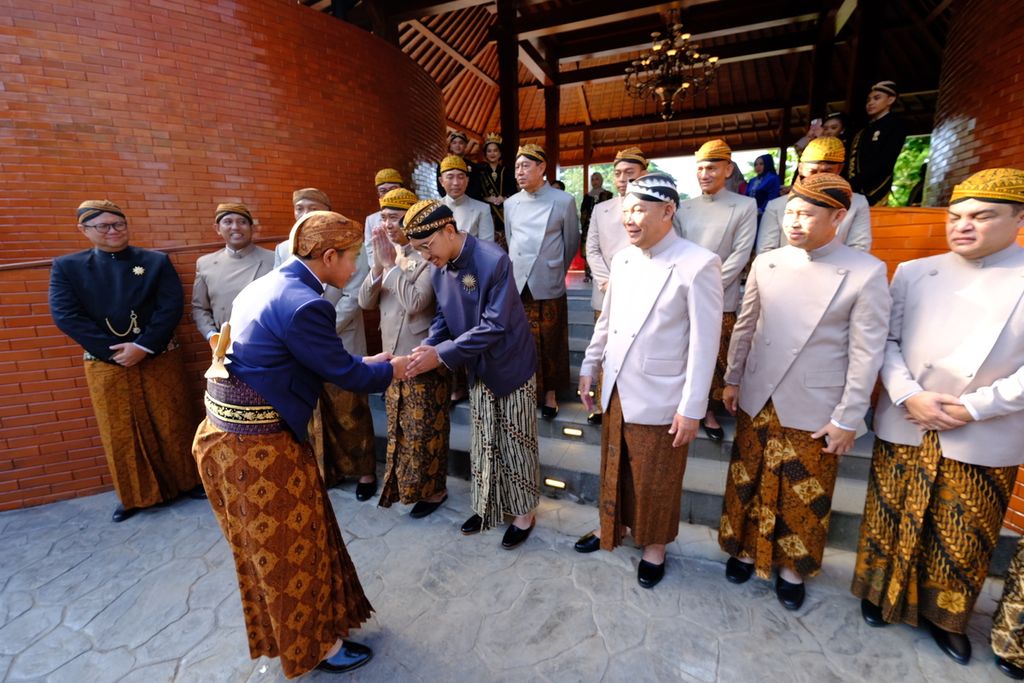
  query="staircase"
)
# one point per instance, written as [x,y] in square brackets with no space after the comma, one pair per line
[570,453]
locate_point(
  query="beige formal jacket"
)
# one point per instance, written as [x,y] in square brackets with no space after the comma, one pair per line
[725,223]
[811,335]
[220,276]
[658,335]
[957,327]
[472,216]
[854,230]
[405,296]
[543,233]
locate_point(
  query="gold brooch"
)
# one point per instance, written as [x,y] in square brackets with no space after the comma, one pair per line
[469,282]
[874,138]
[138,270]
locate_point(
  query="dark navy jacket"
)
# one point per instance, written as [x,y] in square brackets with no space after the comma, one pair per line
[284,345]
[91,288]
[480,321]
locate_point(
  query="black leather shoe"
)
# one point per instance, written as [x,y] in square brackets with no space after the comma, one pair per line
[791,595]
[956,645]
[515,536]
[737,571]
[350,656]
[648,575]
[548,413]
[120,514]
[472,525]
[594,419]
[366,491]
[424,508]
[197,493]
[872,614]
[587,543]
[716,434]
[1010,669]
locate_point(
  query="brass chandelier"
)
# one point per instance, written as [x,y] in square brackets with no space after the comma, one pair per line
[671,70]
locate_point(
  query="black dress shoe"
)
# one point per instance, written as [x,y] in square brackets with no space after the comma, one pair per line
[548,413]
[587,543]
[1010,669]
[716,434]
[350,656]
[594,419]
[472,525]
[366,491]
[424,507]
[197,493]
[737,571]
[120,514]
[515,536]
[872,614]
[956,645]
[648,574]
[791,595]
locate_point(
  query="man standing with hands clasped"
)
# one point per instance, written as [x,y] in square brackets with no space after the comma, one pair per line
[656,341]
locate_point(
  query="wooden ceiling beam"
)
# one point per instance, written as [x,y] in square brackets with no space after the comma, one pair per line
[591,14]
[531,58]
[417,9]
[451,52]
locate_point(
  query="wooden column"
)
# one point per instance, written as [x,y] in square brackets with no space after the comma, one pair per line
[508,78]
[552,102]
[381,21]
[588,155]
[821,62]
[865,48]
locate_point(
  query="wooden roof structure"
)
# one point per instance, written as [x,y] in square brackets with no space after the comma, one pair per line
[518,65]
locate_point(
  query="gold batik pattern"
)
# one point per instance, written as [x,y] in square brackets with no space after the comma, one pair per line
[348,439]
[549,323]
[929,529]
[299,589]
[146,419]
[418,429]
[721,363]
[778,495]
[1008,622]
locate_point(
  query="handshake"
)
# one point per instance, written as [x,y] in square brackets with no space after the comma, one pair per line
[422,359]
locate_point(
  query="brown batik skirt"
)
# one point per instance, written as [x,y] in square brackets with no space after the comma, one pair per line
[641,480]
[348,439]
[722,362]
[929,529]
[146,420]
[549,322]
[1008,622]
[299,588]
[418,429]
[778,495]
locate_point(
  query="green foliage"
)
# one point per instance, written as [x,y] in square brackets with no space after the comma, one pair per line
[572,176]
[908,168]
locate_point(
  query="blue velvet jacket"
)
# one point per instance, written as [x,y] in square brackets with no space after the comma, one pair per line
[480,321]
[93,294]
[284,345]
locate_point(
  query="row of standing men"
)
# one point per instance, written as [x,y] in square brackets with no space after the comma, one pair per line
[781,475]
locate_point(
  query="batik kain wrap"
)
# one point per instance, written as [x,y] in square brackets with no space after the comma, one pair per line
[722,362]
[549,323]
[503,456]
[778,496]
[1008,622]
[641,480]
[929,529]
[299,589]
[145,427]
[348,439]
[418,429]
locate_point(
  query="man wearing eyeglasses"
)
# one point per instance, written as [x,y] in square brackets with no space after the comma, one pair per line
[121,305]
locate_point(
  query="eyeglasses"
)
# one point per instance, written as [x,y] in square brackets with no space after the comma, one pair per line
[425,247]
[104,228]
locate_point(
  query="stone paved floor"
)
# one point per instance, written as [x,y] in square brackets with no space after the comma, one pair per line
[154,599]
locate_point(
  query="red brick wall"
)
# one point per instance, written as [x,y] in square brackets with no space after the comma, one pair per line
[168,107]
[977,118]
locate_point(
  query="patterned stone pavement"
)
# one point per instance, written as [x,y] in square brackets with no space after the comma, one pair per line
[154,599]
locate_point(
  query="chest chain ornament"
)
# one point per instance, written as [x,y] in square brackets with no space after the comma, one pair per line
[133,326]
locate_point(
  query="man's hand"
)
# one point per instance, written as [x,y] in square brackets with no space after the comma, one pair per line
[383,250]
[399,367]
[837,440]
[685,429]
[128,354]
[584,391]
[731,398]
[933,411]
[423,359]
[379,358]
